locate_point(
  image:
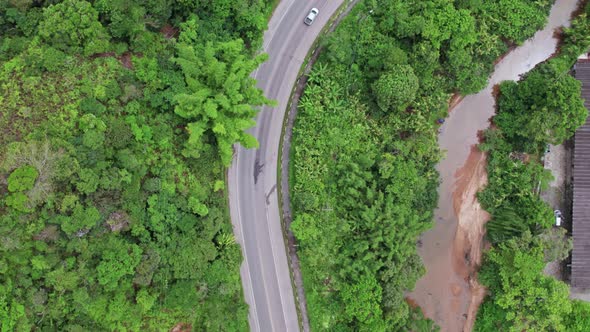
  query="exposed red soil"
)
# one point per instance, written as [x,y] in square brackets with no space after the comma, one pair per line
[453,293]
[182,327]
[169,31]
[468,243]
[454,101]
[124,59]
[413,304]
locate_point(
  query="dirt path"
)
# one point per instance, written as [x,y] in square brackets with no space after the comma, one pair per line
[471,220]
[451,251]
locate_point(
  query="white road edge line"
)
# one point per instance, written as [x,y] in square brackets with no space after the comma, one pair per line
[265,45]
[240,224]
[274,257]
[244,246]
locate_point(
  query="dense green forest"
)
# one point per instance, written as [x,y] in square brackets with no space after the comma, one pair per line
[362,176]
[116,124]
[544,107]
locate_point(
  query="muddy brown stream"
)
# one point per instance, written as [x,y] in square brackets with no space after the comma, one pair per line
[451,250]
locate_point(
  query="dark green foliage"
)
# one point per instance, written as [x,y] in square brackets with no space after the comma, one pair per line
[219,97]
[544,107]
[450,44]
[105,225]
[396,89]
[361,196]
[507,224]
[557,244]
[510,195]
[363,183]
[579,319]
[576,39]
[421,324]
[227,19]
[22,178]
[529,300]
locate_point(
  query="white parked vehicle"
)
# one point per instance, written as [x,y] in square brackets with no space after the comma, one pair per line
[558,217]
[311,16]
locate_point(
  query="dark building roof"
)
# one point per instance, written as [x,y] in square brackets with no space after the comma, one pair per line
[581,183]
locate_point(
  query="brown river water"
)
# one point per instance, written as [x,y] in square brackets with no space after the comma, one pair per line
[449,293]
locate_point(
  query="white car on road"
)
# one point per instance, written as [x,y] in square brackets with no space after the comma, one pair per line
[311,16]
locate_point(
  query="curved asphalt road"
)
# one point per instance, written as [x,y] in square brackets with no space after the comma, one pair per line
[253,198]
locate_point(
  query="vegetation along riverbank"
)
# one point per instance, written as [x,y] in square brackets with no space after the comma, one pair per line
[364,184]
[543,107]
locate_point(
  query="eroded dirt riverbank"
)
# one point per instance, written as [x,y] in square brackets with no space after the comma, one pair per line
[451,251]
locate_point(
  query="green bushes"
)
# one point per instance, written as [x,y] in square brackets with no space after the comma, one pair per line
[528,299]
[359,196]
[397,89]
[22,178]
[105,224]
[515,20]
[219,96]
[364,150]
[73,26]
[544,107]
[579,318]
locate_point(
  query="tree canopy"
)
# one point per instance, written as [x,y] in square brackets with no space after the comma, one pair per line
[396,89]
[219,97]
[544,107]
[112,206]
[363,181]
[528,299]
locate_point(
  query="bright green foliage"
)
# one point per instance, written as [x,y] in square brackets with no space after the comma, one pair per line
[18,201]
[544,107]
[22,178]
[444,22]
[362,301]
[579,319]
[73,26]
[220,96]
[529,299]
[105,225]
[126,18]
[361,197]
[12,313]
[88,181]
[515,20]
[363,180]
[117,261]
[396,89]
[81,220]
